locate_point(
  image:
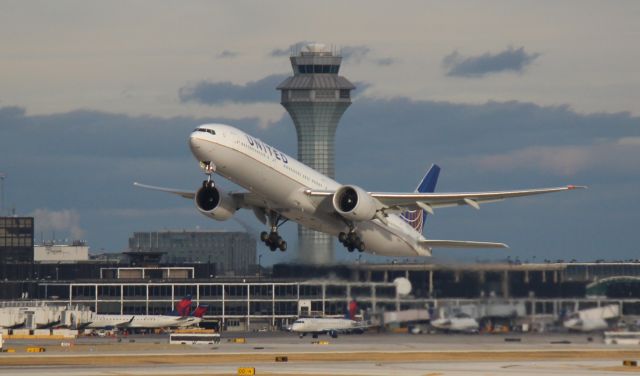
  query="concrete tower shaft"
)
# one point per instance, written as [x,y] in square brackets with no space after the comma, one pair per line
[316,97]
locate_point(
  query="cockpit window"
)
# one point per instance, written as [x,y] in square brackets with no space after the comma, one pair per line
[205,130]
[299,322]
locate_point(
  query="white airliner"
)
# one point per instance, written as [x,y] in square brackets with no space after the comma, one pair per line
[458,323]
[280,188]
[593,319]
[577,324]
[140,321]
[330,326]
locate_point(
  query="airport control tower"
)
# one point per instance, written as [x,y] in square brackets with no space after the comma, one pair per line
[316,97]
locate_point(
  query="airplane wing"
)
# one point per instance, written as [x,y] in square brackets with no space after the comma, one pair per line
[125,324]
[460,244]
[430,201]
[245,199]
[185,194]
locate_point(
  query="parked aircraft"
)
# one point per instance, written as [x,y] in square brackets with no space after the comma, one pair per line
[144,321]
[325,325]
[280,189]
[456,323]
[592,319]
[575,323]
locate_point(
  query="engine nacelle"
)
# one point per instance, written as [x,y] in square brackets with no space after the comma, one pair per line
[354,203]
[214,203]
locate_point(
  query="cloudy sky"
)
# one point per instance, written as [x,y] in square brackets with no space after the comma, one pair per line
[96,95]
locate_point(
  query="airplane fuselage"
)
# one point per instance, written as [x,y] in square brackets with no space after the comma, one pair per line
[465,324]
[281,181]
[323,325]
[141,321]
[586,325]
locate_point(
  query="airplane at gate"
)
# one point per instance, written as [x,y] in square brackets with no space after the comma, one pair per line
[330,326]
[457,323]
[280,188]
[144,321]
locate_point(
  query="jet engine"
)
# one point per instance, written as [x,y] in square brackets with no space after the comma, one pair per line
[354,203]
[214,203]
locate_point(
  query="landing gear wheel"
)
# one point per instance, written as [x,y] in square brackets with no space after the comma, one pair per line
[272,239]
[351,240]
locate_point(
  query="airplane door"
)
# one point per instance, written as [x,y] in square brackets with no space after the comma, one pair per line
[304,308]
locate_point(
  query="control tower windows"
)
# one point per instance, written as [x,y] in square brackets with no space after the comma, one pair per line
[309,68]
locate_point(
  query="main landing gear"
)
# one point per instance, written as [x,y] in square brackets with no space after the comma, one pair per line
[273,240]
[351,240]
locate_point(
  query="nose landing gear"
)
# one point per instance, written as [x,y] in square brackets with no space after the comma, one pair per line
[273,240]
[209,168]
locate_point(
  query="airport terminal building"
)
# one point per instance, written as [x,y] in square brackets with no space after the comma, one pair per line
[544,291]
[233,252]
[16,239]
[219,269]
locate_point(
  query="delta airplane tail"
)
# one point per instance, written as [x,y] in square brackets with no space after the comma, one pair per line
[183,307]
[417,216]
[200,311]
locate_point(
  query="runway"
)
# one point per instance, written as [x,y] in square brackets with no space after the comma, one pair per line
[368,354]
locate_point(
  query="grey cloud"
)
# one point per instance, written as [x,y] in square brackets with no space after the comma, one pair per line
[565,160]
[355,53]
[263,90]
[509,60]
[293,48]
[206,92]
[386,61]
[227,54]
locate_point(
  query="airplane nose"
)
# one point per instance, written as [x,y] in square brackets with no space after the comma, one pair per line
[194,142]
[196,145]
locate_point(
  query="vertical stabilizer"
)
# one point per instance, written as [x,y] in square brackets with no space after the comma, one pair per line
[200,311]
[416,216]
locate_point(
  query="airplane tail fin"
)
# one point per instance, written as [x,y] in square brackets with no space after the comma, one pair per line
[200,310]
[416,217]
[183,307]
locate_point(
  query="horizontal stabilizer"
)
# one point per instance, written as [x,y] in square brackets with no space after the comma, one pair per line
[460,244]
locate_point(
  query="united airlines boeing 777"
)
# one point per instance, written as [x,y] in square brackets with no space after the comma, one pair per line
[279,188]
